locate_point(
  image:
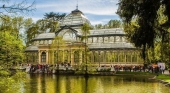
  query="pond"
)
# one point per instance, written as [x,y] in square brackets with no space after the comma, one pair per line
[40,83]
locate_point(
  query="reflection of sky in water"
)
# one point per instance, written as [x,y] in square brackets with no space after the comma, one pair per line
[98,84]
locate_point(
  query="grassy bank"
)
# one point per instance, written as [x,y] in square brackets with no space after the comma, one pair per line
[134,73]
[159,76]
[164,77]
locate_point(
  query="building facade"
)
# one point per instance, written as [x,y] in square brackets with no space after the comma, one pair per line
[104,46]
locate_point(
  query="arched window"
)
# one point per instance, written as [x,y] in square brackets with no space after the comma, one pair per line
[43,57]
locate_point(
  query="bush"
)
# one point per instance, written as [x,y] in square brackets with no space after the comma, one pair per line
[11,83]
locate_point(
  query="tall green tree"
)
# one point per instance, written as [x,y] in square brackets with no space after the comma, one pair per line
[11,48]
[110,24]
[85,32]
[56,45]
[50,22]
[31,32]
[11,45]
[114,24]
[146,15]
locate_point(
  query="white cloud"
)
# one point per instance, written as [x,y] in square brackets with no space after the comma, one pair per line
[97,7]
[90,7]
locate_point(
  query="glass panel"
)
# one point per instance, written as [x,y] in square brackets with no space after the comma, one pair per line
[69,36]
[106,40]
[43,57]
[50,42]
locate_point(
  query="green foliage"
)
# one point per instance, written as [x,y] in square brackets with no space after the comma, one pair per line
[11,48]
[85,31]
[110,24]
[12,83]
[11,45]
[56,45]
[54,16]
[4,73]
[163,77]
[48,24]
[146,23]
[166,3]
[31,32]
[134,73]
[105,69]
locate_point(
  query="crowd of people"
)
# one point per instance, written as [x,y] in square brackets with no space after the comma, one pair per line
[46,68]
[139,68]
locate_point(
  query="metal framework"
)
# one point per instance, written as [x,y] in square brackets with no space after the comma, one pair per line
[104,46]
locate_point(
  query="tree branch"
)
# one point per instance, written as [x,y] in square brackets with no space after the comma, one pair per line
[22,7]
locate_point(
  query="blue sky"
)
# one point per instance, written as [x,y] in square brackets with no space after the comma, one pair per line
[97,11]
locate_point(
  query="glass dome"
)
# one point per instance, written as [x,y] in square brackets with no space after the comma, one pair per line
[76,17]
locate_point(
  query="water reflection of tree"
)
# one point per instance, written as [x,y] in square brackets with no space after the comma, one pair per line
[58,84]
[86,85]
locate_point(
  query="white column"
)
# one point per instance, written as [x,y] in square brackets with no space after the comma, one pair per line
[99,57]
[125,56]
[103,39]
[80,57]
[63,55]
[72,57]
[118,56]
[131,57]
[110,56]
[69,56]
[39,57]
[46,57]
[104,53]
[114,57]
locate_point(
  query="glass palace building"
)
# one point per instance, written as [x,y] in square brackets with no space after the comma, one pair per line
[104,46]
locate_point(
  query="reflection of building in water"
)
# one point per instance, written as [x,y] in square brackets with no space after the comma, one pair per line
[104,45]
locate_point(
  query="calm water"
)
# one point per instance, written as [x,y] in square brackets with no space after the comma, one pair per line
[94,84]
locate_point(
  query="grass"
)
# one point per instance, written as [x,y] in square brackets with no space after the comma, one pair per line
[164,77]
[134,73]
[159,76]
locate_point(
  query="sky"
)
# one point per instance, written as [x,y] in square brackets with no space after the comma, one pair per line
[97,11]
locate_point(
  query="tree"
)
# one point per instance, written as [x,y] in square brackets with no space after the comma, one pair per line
[31,32]
[54,16]
[57,43]
[9,9]
[12,83]
[110,24]
[114,24]
[11,48]
[50,22]
[85,32]
[145,14]
[11,45]
[98,26]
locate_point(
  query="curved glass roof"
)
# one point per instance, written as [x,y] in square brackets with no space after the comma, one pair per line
[101,32]
[107,31]
[110,45]
[76,17]
[45,36]
[31,49]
